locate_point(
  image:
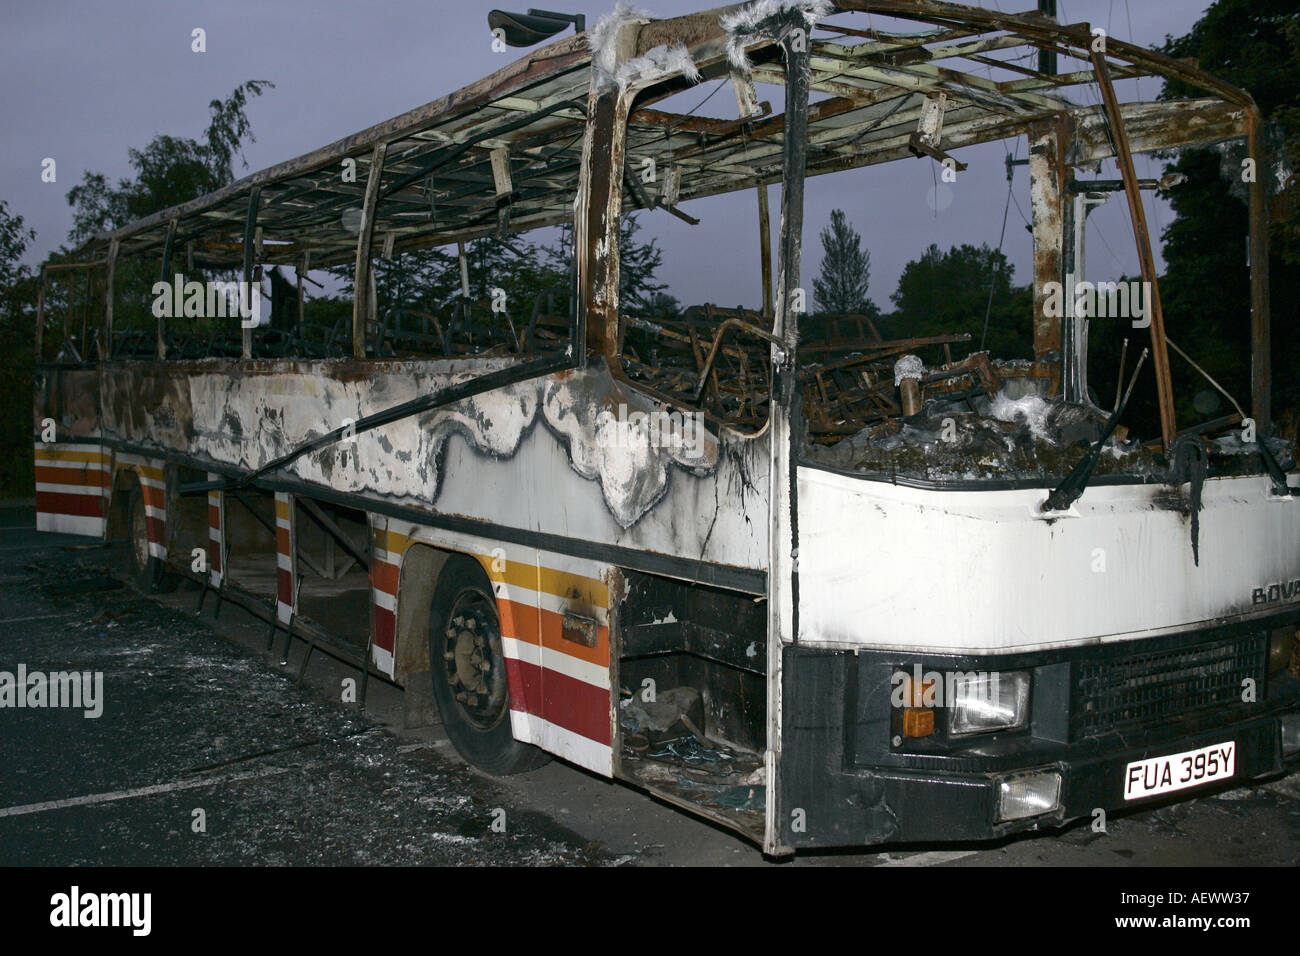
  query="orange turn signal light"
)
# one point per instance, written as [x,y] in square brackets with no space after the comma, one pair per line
[918,722]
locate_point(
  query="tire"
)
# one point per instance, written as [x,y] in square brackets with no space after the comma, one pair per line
[148,573]
[467,666]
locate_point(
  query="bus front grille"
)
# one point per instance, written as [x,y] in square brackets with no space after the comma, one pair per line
[1137,693]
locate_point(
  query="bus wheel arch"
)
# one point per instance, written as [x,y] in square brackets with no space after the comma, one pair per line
[435,587]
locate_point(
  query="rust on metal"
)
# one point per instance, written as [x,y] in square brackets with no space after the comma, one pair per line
[1049,182]
[1159,351]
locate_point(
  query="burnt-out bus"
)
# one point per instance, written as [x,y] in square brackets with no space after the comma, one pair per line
[823,585]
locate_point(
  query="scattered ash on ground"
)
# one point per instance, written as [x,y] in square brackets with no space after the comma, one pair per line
[295,779]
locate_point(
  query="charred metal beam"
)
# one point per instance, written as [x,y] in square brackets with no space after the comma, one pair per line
[570,53]
[765,249]
[596,221]
[331,527]
[166,267]
[106,346]
[1132,190]
[361,306]
[1261,372]
[250,230]
[785,426]
[1049,176]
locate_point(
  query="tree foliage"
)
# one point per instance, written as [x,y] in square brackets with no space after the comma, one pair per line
[168,171]
[17,313]
[841,289]
[1254,44]
[949,292]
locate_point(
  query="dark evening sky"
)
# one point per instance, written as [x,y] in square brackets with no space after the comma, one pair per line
[87,80]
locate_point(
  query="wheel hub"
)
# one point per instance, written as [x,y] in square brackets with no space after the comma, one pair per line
[474,664]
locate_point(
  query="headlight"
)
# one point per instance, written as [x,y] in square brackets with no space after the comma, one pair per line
[1028,795]
[985,702]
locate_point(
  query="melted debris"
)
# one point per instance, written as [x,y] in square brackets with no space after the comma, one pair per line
[1024,439]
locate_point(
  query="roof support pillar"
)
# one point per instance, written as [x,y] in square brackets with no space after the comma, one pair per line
[106,346]
[1132,191]
[596,220]
[765,248]
[303,268]
[1048,193]
[250,234]
[361,301]
[166,268]
[1261,373]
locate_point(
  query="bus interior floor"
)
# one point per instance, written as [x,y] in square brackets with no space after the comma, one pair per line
[665,750]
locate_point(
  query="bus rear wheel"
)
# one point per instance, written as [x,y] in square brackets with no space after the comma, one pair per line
[148,573]
[468,668]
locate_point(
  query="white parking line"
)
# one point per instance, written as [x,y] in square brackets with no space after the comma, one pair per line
[39,617]
[96,798]
[932,858]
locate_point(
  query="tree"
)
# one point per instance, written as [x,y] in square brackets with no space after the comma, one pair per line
[169,171]
[638,263]
[946,293]
[17,312]
[429,280]
[1254,44]
[841,289]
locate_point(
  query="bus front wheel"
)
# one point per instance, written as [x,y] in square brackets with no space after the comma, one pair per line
[468,668]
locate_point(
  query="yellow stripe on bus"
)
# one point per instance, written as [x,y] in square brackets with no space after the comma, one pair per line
[563,584]
[390,541]
[59,454]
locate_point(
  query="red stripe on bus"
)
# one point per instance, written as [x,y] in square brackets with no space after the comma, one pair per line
[567,702]
[385,628]
[74,477]
[525,683]
[384,576]
[82,506]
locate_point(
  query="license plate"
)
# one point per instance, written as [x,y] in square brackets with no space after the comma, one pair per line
[1148,778]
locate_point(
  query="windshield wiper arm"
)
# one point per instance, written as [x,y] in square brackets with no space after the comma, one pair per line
[1074,484]
[1280,486]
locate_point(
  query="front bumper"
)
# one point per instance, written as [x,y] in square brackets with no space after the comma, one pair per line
[846,778]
